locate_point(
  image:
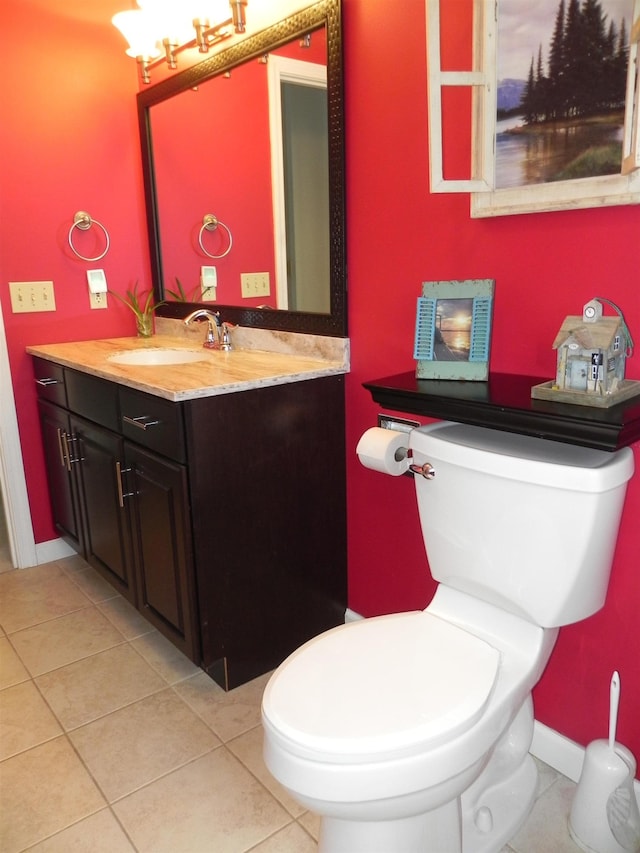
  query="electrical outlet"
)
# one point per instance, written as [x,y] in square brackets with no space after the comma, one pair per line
[208,283]
[98,300]
[30,296]
[254,284]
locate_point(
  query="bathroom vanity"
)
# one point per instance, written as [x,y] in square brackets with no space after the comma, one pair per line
[211,495]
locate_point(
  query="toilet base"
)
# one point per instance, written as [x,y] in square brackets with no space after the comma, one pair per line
[437,830]
[502,811]
[483,819]
[486,828]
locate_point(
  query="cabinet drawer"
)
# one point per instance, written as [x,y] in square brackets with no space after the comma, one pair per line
[94,398]
[50,381]
[152,422]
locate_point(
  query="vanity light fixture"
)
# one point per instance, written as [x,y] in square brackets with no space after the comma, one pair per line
[161,29]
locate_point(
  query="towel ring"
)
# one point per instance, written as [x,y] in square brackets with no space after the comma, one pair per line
[210,223]
[83,221]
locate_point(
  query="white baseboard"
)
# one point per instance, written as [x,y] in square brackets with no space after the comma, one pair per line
[557,751]
[54,549]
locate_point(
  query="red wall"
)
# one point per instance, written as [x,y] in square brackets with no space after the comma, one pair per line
[69,142]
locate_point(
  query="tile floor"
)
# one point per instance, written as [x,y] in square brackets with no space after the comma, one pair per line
[111,741]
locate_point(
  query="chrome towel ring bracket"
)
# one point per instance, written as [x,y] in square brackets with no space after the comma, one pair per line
[210,223]
[83,221]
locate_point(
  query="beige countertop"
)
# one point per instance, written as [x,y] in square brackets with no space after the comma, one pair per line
[216,373]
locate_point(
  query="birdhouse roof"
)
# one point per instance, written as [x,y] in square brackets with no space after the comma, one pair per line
[598,335]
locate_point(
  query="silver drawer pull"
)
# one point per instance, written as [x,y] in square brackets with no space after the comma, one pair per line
[142,421]
[68,441]
[61,448]
[48,380]
[121,492]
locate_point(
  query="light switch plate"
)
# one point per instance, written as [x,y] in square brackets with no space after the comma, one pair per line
[31,296]
[254,284]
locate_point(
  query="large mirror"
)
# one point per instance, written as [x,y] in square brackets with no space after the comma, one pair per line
[243,160]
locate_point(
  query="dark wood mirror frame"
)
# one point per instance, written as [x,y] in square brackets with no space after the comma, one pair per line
[325,13]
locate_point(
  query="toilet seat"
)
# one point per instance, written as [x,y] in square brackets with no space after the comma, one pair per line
[379,688]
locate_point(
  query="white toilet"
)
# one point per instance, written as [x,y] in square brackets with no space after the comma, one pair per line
[410,733]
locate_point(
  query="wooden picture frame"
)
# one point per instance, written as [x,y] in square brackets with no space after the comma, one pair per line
[481,78]
[453,329]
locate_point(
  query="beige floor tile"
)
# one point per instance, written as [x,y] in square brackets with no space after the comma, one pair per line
[291,839]
[64,640]
[90,688]
[132,747]
[163,656]
[546,830]
[12,670]
[72,564]
[125,617]
[44,790]
[100,833]
[212,804]
[93,586]
[229,714]
[25,719]
[248,748]
[30,596]
[311,822]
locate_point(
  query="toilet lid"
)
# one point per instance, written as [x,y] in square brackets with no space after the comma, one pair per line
[381,686]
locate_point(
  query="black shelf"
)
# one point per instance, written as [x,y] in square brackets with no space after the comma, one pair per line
[504,402]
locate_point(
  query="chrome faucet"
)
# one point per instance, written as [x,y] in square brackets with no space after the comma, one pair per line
[217,332]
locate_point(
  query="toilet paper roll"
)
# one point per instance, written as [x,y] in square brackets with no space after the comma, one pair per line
[384,450]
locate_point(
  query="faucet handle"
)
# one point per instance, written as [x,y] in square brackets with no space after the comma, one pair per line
[225,339]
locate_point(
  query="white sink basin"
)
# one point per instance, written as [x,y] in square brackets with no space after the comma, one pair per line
[156,356]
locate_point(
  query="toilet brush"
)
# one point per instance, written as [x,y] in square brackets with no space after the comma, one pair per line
[604,816]
[622,808]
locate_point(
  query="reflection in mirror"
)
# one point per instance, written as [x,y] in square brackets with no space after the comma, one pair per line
[262,172]
[253,139]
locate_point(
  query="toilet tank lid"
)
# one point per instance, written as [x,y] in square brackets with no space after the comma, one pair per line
[522,457]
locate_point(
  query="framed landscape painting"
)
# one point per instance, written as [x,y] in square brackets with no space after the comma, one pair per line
[555,103]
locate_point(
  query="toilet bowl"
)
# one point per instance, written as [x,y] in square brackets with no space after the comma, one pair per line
[380,724]
[410,732]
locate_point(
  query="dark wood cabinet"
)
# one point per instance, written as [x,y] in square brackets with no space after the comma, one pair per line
[63,489]
[98,463]
[125,509]
[222,518]
[157,497]
[269,507]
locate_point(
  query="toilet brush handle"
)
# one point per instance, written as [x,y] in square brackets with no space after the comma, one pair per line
[614,700]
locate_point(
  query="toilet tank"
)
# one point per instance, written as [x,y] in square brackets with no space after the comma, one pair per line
[525,523]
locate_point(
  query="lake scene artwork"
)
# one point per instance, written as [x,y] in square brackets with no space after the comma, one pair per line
[562,68]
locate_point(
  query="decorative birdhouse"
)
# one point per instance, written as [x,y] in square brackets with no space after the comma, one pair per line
[591,354]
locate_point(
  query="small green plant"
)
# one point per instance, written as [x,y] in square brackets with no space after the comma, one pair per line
[180,295]
[143,307]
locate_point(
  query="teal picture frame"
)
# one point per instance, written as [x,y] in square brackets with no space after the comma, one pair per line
[453,329]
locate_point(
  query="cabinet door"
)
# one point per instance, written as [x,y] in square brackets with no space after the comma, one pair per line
[269,517]
[65,508]
[160,521]
[108,535]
